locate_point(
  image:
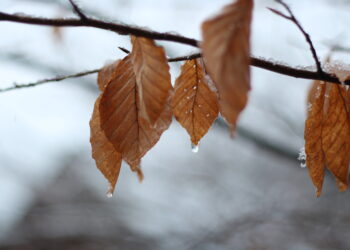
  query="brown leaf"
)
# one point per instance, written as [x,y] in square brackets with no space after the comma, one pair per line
[194,104]
[336,133]
[108,160]
[122,119]
[315,159]
[226,54]
[151,69]
[106,74]
[327,134]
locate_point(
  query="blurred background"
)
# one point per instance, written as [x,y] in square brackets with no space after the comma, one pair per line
[248,192]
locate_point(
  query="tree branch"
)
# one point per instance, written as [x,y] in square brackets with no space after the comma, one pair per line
[174,59]
[257,62]
[293,19]
[121,29]
[78,11]
[43,81]
[130,30]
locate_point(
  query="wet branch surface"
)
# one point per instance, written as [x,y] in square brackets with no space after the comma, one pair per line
[122,29]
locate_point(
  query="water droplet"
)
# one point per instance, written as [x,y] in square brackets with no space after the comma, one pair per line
[185,90]
[188,97]
[199,105]
[302,154]
[186,112]
[110,191]
[195,148]
[207,115]
[191,111]
[194,87]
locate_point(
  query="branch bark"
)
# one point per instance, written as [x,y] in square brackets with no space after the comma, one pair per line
[294,20]
[43,81]
[131,30]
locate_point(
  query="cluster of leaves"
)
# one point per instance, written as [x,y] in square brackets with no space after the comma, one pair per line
[327,133]
[138,101]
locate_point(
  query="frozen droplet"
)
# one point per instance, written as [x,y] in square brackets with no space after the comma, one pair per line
[188,97]
[185,90]
[194,87]
[190,111]
[186,112]
[207,115]
[199,105]
[110,191]
[302,154]
[302,157]
[195,148]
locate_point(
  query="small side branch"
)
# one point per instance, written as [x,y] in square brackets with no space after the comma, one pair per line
[78,11]
[257,62]
[174,59]
[293,19]
[43,81]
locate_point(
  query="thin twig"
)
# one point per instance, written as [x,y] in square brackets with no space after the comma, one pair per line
[43,81]
[184,58]
[257,62]
[129,30]
[126,51]
[268,65]
[77,10]
[292,18]
[174,59]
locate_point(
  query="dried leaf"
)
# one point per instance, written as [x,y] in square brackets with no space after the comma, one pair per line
[122,119]
[151,69]
[327,134]
[336,133]
[106,74]
[226,55]
[315,159]
[194,104]
[108,160]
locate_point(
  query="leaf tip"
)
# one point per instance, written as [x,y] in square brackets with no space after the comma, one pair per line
[318,192]
[110,191]
[139,174]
